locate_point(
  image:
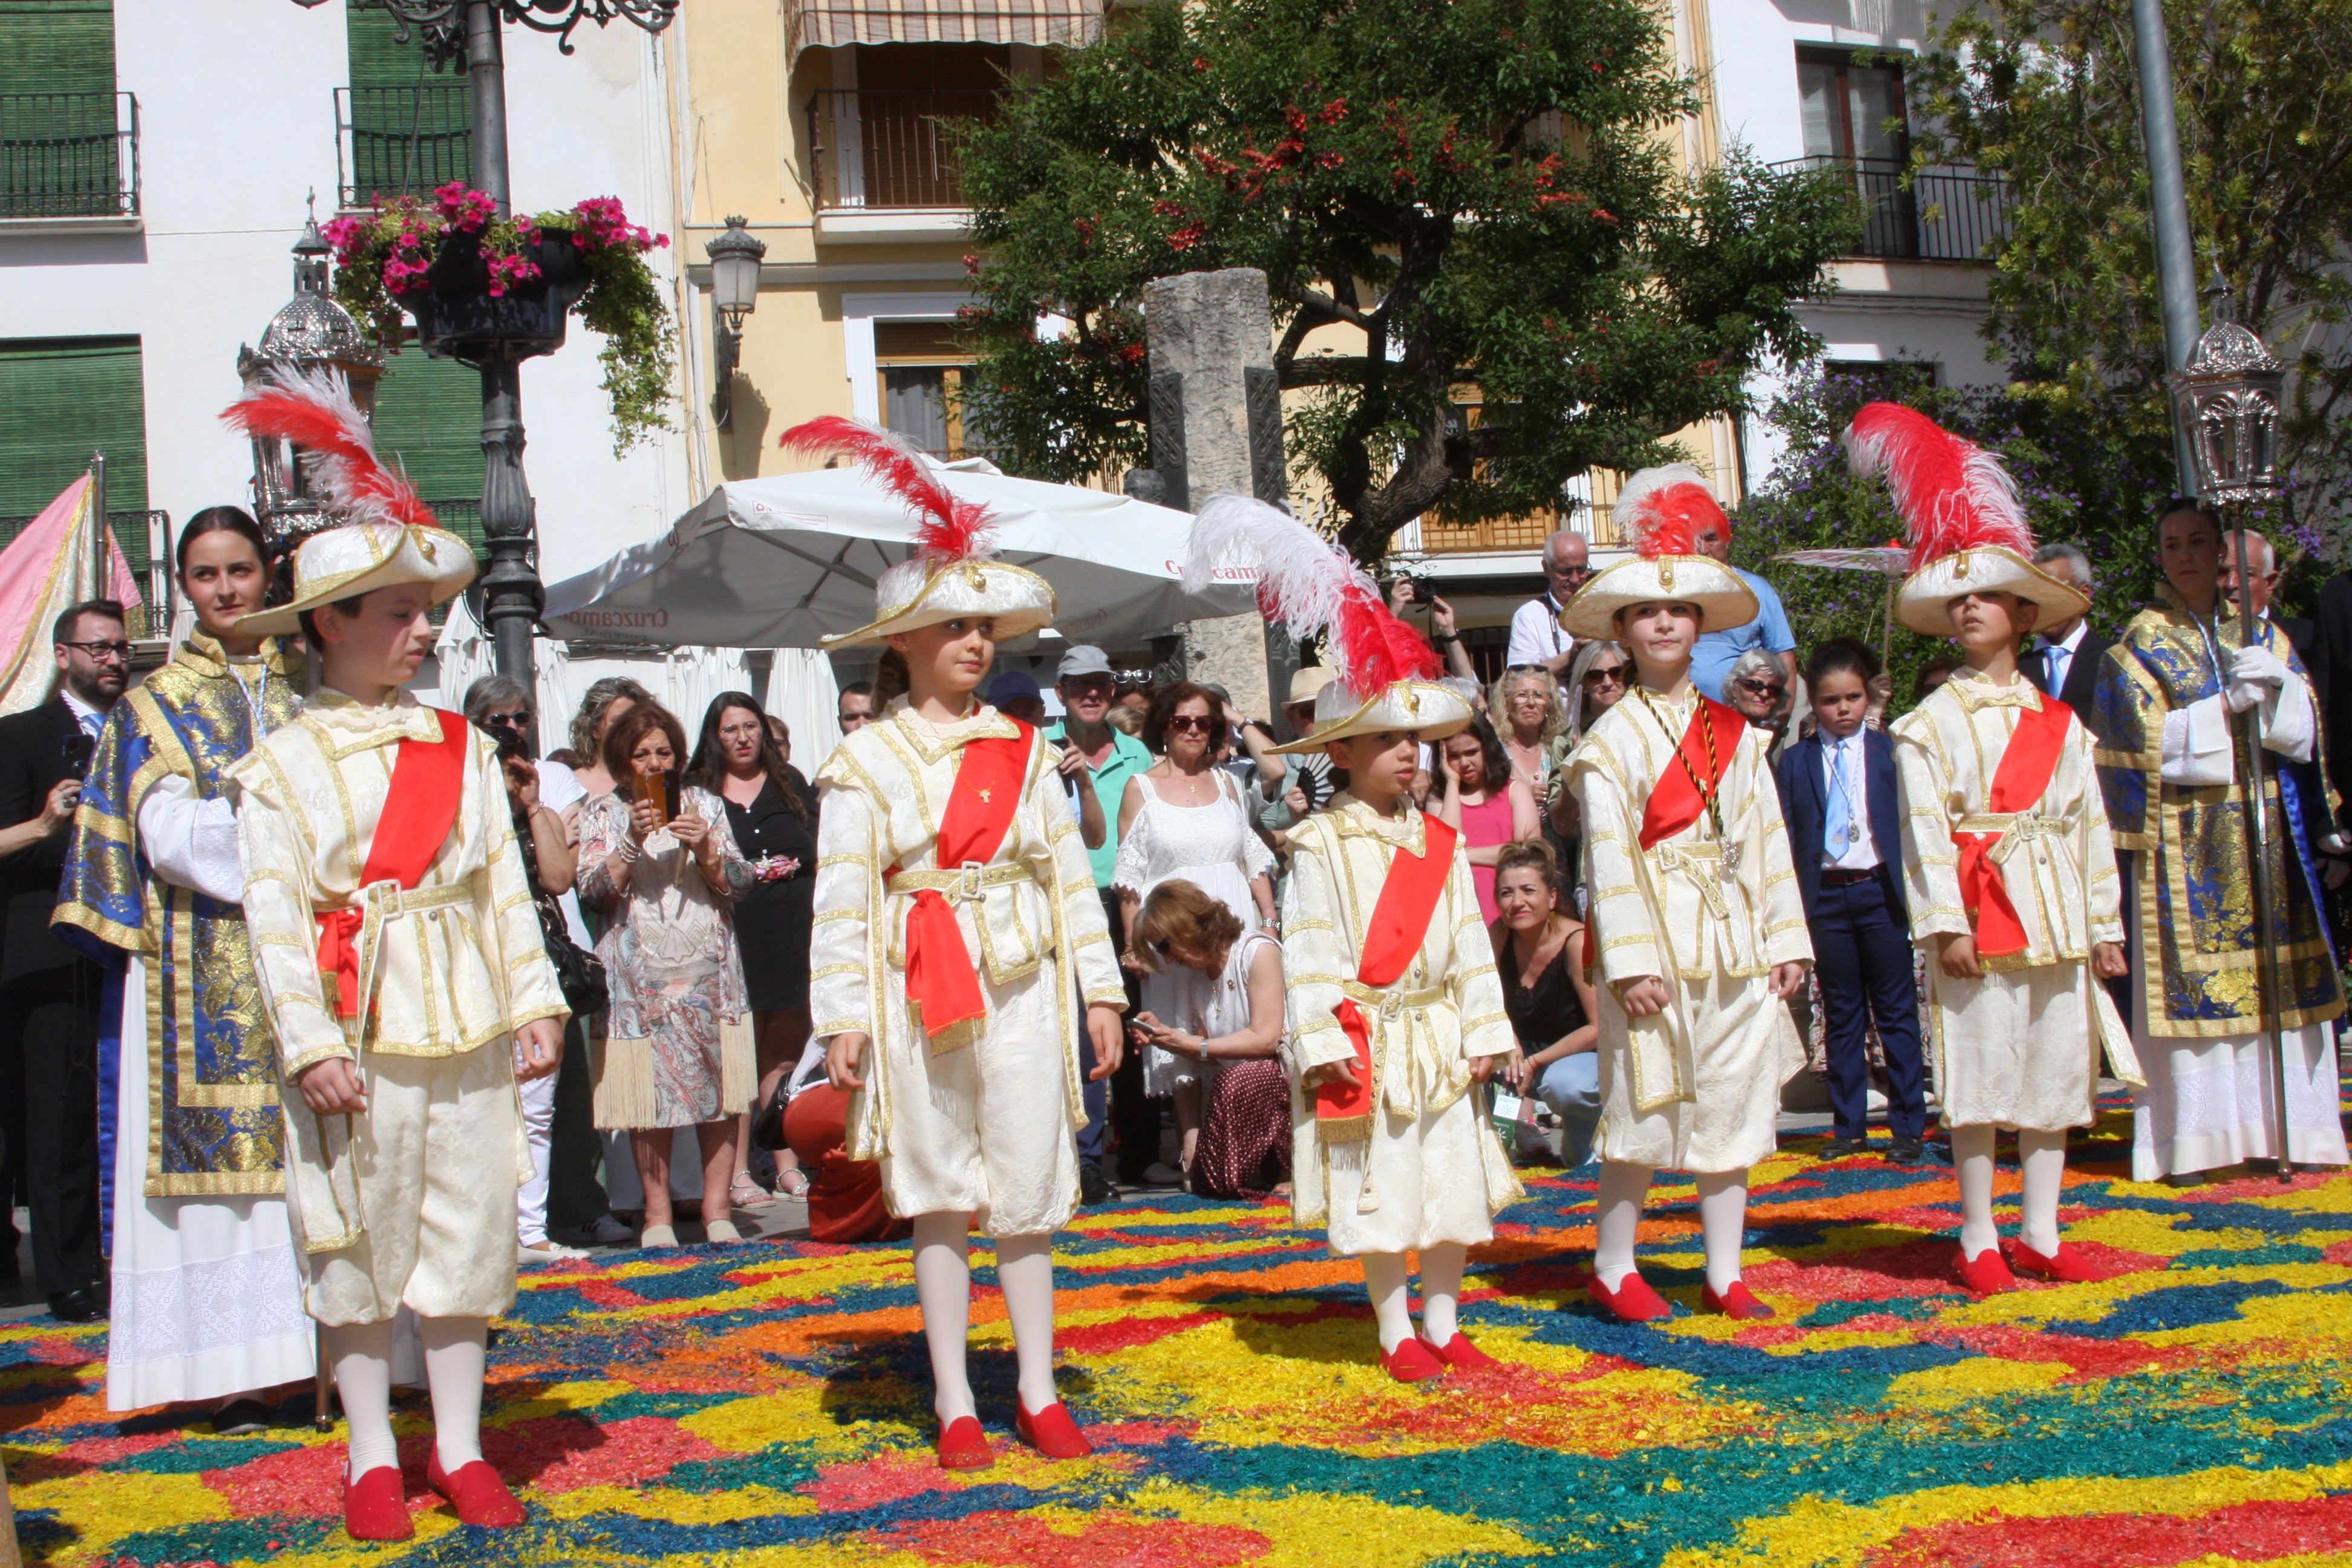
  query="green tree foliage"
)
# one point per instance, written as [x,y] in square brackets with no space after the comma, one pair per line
[2078,487]
[1481,189]
[2045,93]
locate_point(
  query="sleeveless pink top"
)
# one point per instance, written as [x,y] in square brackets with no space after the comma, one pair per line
[1483,825]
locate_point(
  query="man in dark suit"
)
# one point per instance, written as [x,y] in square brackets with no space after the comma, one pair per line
[49,994]
[1839,795]
[2065,657]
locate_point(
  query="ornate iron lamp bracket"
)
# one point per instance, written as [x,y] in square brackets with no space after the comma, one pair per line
[445,26]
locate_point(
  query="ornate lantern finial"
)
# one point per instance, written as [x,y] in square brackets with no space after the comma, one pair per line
[2226,400]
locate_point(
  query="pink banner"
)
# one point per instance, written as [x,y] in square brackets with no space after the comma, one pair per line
[42,571]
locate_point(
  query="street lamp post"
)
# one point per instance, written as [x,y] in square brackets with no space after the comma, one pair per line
[2225,406]
[735,257]
[512,592]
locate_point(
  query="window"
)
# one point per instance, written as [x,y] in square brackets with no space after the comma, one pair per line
[405,130]
[1850,110]
[429,425]
[61,141]
[921,368]
[60,400]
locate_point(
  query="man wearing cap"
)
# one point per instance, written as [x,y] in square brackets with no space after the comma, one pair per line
[1086,684]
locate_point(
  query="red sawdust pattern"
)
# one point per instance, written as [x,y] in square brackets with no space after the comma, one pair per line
[1012,1540]
[880,1481]
[1105,1338]
[2088,1358]
[565,1453]
[2240,1532]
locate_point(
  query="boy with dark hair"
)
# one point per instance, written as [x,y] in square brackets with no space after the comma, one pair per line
[1840,797]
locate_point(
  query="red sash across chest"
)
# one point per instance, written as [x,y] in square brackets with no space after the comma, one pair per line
[941,979]
[1676,800]
[2027,766]
[428,782]
[1401,917]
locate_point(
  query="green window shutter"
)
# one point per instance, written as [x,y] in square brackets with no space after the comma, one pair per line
[411,127]
[56,46]
[428,424]
[61,399]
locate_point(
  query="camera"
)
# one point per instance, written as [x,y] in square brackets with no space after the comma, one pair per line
[79,750]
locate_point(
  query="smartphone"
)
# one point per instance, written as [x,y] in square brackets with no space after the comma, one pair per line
[79,748]
[659,791]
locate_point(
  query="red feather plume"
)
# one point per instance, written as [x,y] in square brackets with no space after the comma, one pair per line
[1952,493]
[950,530]
[315,411]
[1662,509]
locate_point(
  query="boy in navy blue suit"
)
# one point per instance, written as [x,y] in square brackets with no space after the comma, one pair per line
[1838,793]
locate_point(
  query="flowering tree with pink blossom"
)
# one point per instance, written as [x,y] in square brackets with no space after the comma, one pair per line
[384,262]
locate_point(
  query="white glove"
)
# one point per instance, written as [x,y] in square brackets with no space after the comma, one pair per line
[2258,667]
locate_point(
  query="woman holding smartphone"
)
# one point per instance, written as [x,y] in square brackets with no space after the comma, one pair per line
[659,863]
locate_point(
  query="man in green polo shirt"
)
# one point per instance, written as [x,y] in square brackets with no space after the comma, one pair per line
[1087,685]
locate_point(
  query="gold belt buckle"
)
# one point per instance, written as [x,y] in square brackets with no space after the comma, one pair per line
[387,896]
[1391,1005]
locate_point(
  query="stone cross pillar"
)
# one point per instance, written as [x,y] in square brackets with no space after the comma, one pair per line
[1216,426]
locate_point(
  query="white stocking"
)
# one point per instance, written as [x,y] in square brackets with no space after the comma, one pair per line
[454,1360]
[363,1356]
[1618,1207]
[1723,1221]
[1441,1290]
[943,1287]
[1384,1277]
[1024,1272]
[1973,1155]
[2044,1156]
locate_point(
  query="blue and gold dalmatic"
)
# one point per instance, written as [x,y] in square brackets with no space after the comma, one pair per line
[2189,849]
[214,1125]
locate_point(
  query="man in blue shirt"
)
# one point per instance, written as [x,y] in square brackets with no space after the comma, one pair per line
[1087,686]
[1712,658]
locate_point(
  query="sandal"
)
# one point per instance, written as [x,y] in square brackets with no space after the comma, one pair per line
[791,1182]
[748,1194]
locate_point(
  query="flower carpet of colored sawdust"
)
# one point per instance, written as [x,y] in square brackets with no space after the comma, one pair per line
[768,1404]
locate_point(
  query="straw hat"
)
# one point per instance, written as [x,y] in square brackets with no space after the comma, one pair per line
[1967,532]
[1661,511]
[1383,674]
[953,573]
[389,539]
[1306,683]
[344,562]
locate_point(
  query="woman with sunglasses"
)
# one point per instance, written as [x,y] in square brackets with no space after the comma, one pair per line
[1599,678]
[1185,819]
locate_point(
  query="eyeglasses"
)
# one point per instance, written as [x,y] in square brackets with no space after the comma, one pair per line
[1192,723]
[1759,685]
[1612,676]
[508,721]
[1089,686]
[102,651]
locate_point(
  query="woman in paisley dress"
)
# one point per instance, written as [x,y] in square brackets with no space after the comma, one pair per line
[678,1044]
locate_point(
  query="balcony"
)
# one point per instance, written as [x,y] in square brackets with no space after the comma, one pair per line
[145,541]
[69,158]
[393,141]
[884,163]
[1946,214]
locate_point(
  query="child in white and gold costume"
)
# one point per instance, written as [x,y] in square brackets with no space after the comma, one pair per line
[1395,1020]
[1695,914]
[957,951]
[2011,868]
[405,1135]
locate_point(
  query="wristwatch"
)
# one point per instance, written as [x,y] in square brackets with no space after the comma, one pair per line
[1445,636]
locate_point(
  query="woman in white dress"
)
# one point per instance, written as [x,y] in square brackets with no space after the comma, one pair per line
[1184,819]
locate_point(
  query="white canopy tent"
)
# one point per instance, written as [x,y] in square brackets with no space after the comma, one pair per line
[780,562]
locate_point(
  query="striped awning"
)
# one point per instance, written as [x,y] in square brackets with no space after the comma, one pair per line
[831,22]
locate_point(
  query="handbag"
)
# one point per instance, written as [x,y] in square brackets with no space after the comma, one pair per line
[579,973]
[768,1123]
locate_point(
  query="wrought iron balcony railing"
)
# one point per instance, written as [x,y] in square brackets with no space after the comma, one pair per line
[393,141]
[885,147]
[1945,214]
[68,155]
[145,540]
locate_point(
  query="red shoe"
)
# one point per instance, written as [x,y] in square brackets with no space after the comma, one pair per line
[965,1446]
[1738,1302]
[1412,1361]
[374,1508]
[1050,1431]
[1633,1301]
[477,1492]
[1985,1274]
[2065,1265]
[1460,1355]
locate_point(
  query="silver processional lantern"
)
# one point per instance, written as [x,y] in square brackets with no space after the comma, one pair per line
[312,333]
[2226,400]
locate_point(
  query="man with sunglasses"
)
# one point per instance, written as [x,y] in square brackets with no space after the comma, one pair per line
[1536,638]
[49,994]
[1087,686]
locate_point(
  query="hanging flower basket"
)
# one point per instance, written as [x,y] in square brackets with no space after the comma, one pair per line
[478,284]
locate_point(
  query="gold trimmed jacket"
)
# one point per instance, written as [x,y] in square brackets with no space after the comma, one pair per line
[213,1122]
[449,966]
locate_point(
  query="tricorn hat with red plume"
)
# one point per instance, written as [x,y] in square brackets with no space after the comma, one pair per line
[951,575]
[1960,517]
[1661,513]
[389,537]
[1385,672]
